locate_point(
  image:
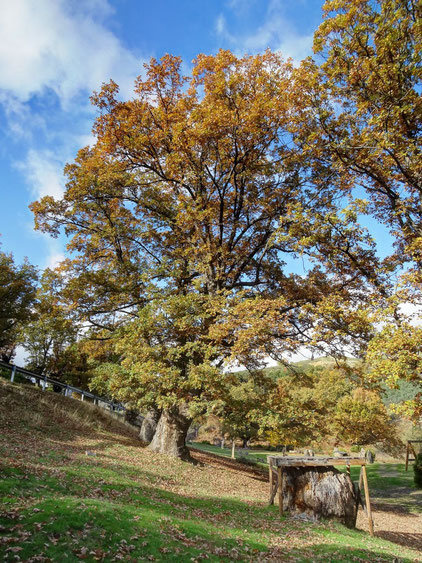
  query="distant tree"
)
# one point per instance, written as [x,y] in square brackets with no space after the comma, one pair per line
[362,419]
[51,332]
[290,415]
[180,220]
[395,356]
[242,406]
[17,296]
[326,403]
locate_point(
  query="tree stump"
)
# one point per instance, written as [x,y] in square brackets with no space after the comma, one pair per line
[320,492]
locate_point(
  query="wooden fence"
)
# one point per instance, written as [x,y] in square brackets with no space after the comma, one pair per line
[65,389]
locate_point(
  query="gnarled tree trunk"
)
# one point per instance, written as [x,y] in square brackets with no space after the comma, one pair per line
[320,492]
[170,434]
[149,425]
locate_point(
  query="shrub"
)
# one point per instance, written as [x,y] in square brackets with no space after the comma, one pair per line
[247,460]
[417,470]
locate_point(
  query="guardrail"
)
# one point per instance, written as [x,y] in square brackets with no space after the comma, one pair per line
[65,388]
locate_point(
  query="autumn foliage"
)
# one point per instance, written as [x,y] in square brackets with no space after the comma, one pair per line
[180,220]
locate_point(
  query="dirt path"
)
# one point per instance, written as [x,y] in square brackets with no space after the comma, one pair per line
[397,514]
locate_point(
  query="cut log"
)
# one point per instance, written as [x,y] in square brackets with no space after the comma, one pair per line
[319,492]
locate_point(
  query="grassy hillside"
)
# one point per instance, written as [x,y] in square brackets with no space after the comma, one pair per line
[405,391]
[304,365]
[324,362]
[122,502]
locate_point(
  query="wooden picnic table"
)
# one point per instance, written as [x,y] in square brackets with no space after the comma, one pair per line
[277,463]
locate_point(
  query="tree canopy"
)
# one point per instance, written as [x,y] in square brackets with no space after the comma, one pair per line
[50,331]
[182,219]
[362,117]
[365,109]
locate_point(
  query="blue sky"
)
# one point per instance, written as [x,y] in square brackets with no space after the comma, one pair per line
[54,53]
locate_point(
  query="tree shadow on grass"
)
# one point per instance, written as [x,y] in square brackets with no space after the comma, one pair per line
[408,539]
[402,505]
[227,463]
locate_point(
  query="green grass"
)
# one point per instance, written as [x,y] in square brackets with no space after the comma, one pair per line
[125,503]
[385,476]
[126,519]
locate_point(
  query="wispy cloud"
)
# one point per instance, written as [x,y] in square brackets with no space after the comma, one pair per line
[276,33]
[53,54]
[60,46]
[43,171]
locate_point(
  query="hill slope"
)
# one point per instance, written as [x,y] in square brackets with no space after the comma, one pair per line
[122,502]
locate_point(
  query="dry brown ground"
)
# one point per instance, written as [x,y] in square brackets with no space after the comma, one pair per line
[394,521]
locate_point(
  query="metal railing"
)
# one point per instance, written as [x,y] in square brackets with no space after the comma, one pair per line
[65,389]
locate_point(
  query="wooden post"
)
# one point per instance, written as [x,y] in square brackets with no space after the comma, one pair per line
[271,482]
[82,396]
[407,456]
[233,449]
[12,375]
[367,501]
[44,383]
[280,490]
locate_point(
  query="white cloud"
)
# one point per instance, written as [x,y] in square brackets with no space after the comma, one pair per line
[275,33]
[20,357]
[53,248]
[54,258]
[221,26]
[412,312]
[60,46]
[43,172]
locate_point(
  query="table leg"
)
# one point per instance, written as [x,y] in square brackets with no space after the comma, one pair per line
[367,501]
[280,490]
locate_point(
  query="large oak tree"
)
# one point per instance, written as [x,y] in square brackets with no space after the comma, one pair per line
[180,221]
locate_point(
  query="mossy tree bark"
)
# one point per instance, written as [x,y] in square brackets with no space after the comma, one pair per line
[149,425]
[170,434]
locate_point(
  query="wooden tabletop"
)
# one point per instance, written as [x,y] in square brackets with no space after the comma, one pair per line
[303,461]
